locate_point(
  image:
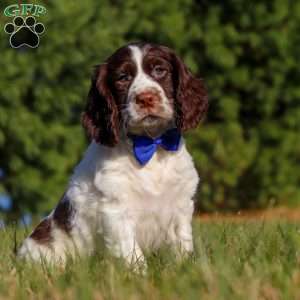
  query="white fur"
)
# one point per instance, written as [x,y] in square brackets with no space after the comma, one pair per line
[132,208]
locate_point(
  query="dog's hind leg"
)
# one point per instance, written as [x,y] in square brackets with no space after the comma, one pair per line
[63,233]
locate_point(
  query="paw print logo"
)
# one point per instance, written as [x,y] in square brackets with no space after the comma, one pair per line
[24,32]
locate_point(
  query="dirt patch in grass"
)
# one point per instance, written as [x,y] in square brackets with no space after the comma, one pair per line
[279,213]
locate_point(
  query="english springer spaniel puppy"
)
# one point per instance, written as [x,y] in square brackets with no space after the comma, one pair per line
[134,187]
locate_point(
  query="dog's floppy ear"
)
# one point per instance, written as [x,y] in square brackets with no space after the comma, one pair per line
[101,117]
[191,101]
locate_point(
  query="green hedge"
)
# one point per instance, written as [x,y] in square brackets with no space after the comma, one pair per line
[248,150]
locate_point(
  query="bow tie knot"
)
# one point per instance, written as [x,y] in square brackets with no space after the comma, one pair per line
[144,147]
[158,141]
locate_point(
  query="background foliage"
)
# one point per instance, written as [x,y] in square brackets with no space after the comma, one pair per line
[248,150]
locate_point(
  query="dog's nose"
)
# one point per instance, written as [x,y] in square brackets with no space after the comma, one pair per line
[147,99]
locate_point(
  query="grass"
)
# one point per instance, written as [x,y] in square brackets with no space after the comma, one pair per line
[246,260]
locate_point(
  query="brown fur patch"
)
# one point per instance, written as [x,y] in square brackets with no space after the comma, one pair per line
[42,233]
[63,214]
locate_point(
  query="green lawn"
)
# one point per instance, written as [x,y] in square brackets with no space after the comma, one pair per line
[250,260]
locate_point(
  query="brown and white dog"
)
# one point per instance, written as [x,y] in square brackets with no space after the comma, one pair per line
[142,89]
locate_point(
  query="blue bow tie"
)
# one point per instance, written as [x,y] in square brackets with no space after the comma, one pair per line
[144,147]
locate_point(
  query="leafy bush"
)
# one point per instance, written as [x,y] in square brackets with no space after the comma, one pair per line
[248,150]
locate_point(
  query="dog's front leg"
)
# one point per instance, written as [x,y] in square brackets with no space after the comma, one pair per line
[120,239]
[182,236]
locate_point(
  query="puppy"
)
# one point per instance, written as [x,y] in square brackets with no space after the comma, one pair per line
[133,189]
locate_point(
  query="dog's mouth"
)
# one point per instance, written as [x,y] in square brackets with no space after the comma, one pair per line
[150,124]
[150,119]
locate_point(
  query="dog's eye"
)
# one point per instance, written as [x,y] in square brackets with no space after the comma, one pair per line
[123,77]
[158,71]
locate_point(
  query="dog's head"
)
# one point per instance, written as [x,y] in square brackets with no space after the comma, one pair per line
[142,89]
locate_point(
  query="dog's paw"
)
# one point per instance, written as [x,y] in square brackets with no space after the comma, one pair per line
[24,32]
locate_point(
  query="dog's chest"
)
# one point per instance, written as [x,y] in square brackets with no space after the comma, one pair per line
[163,184]
[156,183]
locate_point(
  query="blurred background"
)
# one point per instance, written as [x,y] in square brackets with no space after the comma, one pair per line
[247,151]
